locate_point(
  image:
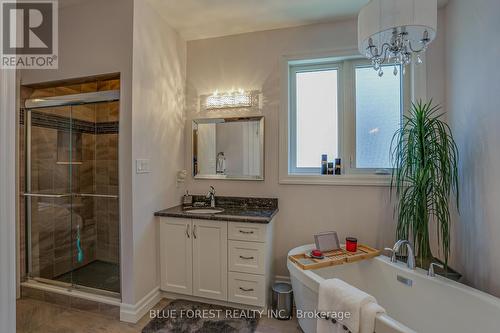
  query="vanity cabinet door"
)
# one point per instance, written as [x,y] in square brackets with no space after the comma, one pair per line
[176,255]
[210,259]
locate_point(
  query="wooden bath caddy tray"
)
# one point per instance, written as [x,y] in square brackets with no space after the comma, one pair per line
[332,258]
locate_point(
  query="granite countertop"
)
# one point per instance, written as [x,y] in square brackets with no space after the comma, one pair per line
[235,209]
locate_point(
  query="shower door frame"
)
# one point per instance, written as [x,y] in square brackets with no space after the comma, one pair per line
[40,103]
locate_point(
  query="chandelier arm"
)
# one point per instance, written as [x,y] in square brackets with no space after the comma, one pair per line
[385,47]
[370,49]
[413,50]
[384,58]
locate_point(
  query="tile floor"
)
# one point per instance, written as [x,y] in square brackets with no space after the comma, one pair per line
[35,316]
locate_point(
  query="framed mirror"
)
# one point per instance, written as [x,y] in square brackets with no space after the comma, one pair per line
[228,148]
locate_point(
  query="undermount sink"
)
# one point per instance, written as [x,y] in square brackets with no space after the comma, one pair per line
[205,211]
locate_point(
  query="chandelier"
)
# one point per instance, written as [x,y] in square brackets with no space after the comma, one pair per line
[396,31]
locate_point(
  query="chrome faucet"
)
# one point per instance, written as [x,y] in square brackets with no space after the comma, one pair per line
[431,269]
[411,257]
[211,196]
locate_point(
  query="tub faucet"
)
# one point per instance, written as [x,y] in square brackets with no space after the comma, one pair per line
[211,196]
[411,257]
[430,272]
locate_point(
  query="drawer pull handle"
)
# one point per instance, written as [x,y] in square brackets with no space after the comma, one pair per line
[246,258]
[246,232]
[243,289]
[187,231]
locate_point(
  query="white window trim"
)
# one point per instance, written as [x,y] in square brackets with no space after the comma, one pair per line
[418,91]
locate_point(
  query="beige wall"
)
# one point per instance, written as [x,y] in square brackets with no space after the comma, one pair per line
[251,61]
[159,70]
[473,102]
[8,205]
[95,37]
[436,64]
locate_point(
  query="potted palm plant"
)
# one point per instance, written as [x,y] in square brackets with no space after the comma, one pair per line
[424,176]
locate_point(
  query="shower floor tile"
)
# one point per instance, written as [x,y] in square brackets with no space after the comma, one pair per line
[97,274]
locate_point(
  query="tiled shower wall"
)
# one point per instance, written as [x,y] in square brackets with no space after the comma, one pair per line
[94,171]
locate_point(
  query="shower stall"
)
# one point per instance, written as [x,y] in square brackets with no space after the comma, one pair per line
[70,204]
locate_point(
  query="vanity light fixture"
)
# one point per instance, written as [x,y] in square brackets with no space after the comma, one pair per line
[232,99]
[393,31]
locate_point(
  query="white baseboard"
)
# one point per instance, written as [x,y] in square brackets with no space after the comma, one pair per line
[131,313]
[174,296]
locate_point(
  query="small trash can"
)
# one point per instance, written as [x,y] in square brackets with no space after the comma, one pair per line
[282,301]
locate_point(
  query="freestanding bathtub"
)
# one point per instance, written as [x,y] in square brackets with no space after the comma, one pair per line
[414,301]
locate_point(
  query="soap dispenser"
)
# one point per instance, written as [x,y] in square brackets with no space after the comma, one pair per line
[187,200]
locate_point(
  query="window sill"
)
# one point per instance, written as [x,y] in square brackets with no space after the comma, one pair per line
[338,180]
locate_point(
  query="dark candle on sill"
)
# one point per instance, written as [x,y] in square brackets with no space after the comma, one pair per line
[324,164]
[351,244]
[338,166]
[330,168]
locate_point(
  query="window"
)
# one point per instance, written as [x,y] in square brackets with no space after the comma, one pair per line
[342,108]
[378,115]
[314,124]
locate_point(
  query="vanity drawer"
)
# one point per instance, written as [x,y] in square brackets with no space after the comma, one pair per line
[247,257]
[246,289]
[253,232]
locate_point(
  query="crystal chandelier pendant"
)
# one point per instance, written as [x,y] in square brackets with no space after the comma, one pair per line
[387,38]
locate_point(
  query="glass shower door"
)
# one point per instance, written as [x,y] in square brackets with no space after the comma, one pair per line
[49,202]
[71,191]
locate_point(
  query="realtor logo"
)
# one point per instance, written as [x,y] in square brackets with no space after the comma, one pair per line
[29,34]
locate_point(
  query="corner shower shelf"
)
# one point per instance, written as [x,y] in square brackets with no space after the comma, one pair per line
[336,257]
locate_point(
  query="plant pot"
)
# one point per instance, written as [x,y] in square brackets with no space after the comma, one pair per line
[450,273]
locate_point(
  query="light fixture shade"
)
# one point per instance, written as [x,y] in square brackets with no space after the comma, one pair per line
[378,18]
[233,99]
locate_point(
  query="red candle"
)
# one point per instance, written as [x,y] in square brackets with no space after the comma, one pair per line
[316,253]
[351,244]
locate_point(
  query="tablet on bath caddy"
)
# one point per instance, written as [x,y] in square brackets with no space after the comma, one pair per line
[327,241]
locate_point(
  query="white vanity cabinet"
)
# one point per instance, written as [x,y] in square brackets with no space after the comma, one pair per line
[210,259]
[224,261]
[193,256]
[176,255]
[250,255]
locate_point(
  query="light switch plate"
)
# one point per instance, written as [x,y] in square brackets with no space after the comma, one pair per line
[142,166]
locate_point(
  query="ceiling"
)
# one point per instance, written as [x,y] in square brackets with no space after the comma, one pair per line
[199,19]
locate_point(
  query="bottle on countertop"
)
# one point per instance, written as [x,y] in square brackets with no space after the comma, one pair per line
[187,200]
